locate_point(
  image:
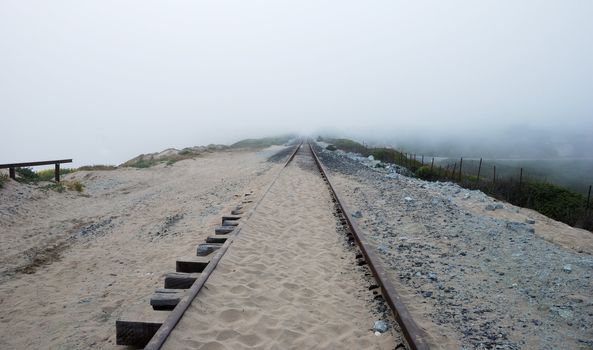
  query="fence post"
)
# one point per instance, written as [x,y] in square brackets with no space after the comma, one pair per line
[57,172]
[12,173]
[589,197]
[460,165]
[520,179]
[494,176]
[432,164]
[479,169]
[423,159]
[453,174]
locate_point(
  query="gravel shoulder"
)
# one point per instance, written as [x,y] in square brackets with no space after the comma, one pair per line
[474,278]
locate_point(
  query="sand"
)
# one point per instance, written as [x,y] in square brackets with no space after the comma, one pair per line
[71,263]
[287,282]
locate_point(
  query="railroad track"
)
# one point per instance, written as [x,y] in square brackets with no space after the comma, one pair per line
[192,273]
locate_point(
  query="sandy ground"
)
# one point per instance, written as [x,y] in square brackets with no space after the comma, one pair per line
[71,263]
[288,281]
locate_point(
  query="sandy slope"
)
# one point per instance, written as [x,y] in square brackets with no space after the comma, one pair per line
[287,282]
[71,263]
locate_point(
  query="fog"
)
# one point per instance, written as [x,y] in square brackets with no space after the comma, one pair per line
[103,81]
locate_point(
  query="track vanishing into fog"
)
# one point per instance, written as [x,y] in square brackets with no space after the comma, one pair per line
[299,270]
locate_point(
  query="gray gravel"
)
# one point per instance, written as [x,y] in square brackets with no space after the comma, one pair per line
[492,283]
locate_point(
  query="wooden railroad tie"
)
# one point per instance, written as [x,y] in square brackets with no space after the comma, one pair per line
[136,327]
[130,331]
[204,249]
[180,280]
[216,239]
[191,264]
[166,299]
[223,230]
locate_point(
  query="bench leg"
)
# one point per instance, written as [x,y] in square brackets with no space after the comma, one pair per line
[12,173]
[57,172]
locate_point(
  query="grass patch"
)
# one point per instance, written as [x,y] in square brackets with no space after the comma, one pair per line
[3,180]
[74,185]
[49,174]
[56,186]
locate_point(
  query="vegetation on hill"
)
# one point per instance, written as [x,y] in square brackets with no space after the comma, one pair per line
[554,201]
[263,142]
[97,167]
[3,179]
[169,156]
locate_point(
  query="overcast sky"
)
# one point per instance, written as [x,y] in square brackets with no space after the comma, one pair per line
[103,81]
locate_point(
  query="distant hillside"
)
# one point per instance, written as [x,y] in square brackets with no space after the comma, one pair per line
[263,142]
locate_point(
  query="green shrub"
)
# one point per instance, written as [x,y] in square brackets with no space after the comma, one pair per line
[331,148]
[26,175]
[3,179]
[425,173]
[553,201]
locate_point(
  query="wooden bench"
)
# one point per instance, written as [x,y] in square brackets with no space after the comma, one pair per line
[12,167]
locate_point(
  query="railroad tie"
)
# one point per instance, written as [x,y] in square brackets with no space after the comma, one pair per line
[204,249]
[216,239]
[223,230]
[166,299]
[191,264]
[230,223]
[179,280]
[230,218]
[137,326]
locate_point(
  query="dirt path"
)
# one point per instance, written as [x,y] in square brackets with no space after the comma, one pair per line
[288,280]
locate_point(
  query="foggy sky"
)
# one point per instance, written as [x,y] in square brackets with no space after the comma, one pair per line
[103,81]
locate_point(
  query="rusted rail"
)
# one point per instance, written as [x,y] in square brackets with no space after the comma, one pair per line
[414,336]
[12,166]
[176,314]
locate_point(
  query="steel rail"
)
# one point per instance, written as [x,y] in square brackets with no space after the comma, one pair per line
[159,338]
[415,337]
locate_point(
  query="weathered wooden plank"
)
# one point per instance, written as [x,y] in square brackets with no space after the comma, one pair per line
[230,223]
[223,230]
[177,280]
[166,301]
[169,290]
[137,326]
[230,218]
[191,264]
[45,162]
[236,212]
[216,239]
[204,249]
